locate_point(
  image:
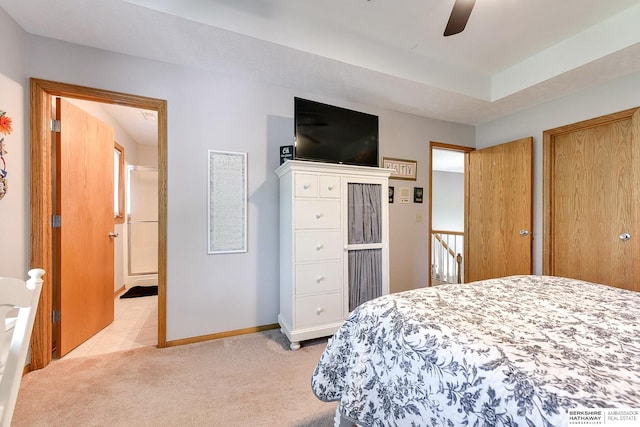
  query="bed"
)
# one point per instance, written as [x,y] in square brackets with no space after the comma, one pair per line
[519,350]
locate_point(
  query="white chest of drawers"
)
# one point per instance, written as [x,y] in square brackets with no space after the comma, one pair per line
[314,246]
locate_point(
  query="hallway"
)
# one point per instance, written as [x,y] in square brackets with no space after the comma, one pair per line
[135,325]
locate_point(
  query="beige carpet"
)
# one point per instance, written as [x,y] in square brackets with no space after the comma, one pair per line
[248,380]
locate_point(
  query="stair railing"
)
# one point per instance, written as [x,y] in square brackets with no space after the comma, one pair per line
[446,258]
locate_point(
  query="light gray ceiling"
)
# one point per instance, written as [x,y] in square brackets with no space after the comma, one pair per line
[390,54]
[141,125]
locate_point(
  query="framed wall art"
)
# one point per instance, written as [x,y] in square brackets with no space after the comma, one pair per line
[402,169]
[417,194]
[227,202]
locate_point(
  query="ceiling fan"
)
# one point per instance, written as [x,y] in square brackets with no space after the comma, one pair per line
[459,17]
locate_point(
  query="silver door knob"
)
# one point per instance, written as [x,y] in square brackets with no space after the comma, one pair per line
[112,235]
[524,232]
[625,236]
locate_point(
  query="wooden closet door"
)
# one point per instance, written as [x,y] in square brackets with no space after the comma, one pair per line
[594,203]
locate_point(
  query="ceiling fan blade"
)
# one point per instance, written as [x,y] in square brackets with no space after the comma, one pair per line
[459,16]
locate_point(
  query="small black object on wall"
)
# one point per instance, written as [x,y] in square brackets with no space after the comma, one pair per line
[417,194]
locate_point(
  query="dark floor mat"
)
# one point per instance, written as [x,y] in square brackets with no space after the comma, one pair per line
[140,291]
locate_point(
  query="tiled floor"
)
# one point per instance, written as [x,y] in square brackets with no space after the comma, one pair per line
[135,325]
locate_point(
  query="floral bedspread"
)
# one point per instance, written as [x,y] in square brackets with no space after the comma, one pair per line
[520,350]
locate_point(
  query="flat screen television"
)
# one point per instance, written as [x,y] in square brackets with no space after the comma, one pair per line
[326,133]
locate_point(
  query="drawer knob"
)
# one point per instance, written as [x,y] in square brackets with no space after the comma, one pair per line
[319,310]
[318,215]
[319,279]
[319,246]
[330,187]
[306,186]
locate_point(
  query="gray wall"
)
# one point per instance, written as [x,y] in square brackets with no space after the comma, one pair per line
[407,137]
[448,201]
[207,294]
[214,293]
[14,221]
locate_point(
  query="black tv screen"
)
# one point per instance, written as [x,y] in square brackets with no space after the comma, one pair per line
[326,133]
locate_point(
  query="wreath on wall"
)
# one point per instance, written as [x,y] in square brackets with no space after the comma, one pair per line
[5,129]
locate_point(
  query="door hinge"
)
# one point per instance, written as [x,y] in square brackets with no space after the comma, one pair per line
[55,316]
[56,221]
[55,125]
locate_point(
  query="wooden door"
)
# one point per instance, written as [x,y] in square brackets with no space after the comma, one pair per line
[593,206]
[498,218]
[84,250]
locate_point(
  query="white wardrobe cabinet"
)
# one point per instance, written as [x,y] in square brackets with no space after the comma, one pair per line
[334,251]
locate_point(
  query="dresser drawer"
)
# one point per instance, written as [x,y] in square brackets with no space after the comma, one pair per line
[329,186]
[317,214]
[318,245]
[305,185]
[318,309]
[318,277]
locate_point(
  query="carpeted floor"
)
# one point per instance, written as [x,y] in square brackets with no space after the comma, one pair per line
[248,380]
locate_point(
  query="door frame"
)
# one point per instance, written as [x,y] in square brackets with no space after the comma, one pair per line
[548,141]
[440,146]
[41,198]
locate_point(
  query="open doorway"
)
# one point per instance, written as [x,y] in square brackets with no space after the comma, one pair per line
[446,207]
[41,201]
[135,232]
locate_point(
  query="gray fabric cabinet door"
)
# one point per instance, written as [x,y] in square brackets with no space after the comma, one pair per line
[365,227]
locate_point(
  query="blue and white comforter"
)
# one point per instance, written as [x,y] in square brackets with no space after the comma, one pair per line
[514,351]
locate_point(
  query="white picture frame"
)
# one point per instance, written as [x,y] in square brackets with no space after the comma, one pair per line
[227,202]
